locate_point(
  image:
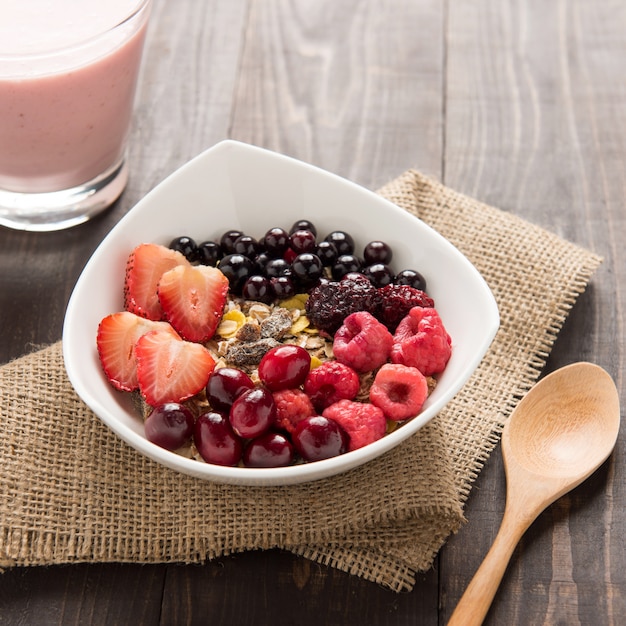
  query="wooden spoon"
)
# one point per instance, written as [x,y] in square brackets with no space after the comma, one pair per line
[558,435]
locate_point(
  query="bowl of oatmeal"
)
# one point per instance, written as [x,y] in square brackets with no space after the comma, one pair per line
[238,187]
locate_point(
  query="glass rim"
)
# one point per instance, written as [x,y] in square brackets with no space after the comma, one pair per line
[23,56]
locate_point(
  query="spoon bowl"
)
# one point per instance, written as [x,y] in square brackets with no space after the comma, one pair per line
[557,436]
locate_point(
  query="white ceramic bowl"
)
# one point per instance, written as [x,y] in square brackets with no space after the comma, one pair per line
[233,185]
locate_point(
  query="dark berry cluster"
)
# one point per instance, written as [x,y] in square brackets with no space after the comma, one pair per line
[283,263]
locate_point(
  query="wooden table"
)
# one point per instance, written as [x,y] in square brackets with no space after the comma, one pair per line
[519,104]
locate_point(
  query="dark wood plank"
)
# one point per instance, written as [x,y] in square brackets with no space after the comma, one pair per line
[368,120]
[275,587]
[100,595]
[354,87]
[184,103]
[517,103]
[535,125]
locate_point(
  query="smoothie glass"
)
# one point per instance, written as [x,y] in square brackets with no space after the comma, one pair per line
[68,72]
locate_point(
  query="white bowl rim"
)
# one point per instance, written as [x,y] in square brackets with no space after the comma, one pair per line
[293,474]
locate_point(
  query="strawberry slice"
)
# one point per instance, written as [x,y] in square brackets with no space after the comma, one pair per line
[117,335]
[193,299]
[144,268]
[170,369]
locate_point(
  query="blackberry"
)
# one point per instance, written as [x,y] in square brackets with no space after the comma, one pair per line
[331,302]
[397,301]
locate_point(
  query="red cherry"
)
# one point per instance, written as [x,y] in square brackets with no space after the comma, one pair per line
[269,450]
[317,438]
[215,440]
[225,385]
[253,413]
[284,367]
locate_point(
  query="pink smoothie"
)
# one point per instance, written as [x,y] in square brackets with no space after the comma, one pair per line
[64,116]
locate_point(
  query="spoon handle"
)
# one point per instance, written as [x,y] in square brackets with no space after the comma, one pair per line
[475,602]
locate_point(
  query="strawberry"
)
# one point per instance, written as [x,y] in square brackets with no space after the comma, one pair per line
[117,335]
[144,268]
[170,369]
[193,299]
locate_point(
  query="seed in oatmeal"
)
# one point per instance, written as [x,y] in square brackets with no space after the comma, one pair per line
[249,354]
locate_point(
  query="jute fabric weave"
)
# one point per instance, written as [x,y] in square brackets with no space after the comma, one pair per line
[71,491]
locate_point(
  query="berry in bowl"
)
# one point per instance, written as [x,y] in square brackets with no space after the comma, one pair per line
[256,320]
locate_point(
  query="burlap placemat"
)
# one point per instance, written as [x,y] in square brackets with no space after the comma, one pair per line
[71,491]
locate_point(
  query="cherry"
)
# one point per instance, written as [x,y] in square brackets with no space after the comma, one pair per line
[317,438]
[269,450]
[225,385]
[253,413]
[215,440]
[169,425]
[284,367]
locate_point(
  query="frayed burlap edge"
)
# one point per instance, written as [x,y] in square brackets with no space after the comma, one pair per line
[388,544]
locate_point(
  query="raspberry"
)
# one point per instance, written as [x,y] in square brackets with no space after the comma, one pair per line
[364,423]
[292,406]
[397,301]
[399,391]
[421,341]
[362,342]
[331,302]
[330,382]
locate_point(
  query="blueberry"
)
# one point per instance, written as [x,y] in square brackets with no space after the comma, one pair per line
[379,273]
[186,246]
[228,239]
[237,268]
[246,245]
[411,278]
[209,253]
[377,252]
[275,242]
[342,240]
[327,252]
[307,268]
[345,264]
[303,225]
